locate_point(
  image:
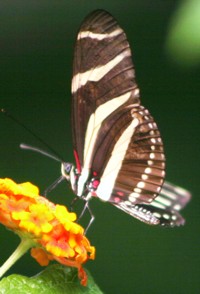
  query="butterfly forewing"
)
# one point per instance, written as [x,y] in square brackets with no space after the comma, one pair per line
[103,79]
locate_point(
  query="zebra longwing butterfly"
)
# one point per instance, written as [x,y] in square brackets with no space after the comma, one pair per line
[117,145]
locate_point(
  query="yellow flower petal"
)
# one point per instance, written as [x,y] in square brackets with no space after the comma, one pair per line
[51,228]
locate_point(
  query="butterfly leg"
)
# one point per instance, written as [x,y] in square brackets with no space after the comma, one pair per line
[53,185]
[92,217]
[74,201]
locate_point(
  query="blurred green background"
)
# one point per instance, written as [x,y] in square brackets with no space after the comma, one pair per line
[36,51]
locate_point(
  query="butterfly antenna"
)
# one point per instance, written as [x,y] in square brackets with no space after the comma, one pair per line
[28,147]
[38,150]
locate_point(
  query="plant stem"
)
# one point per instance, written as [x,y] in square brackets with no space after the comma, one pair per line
[23,247]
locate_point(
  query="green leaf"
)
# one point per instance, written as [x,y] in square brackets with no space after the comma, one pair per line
[54,279]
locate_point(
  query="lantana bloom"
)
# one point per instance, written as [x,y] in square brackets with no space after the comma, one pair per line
[48,229]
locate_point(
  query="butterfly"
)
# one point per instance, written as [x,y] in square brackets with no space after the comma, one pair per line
[117,146]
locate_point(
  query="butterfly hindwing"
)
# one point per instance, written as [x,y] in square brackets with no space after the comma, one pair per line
[163,210]
[134,170]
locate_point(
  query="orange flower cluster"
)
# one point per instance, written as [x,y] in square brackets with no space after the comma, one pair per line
[51,228]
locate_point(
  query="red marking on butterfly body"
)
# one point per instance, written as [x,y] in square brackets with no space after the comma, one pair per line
[78,165]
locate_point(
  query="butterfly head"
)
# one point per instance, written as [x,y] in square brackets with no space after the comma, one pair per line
[66,170]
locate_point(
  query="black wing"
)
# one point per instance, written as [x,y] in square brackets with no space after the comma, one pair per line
[115,138]
[98,73]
